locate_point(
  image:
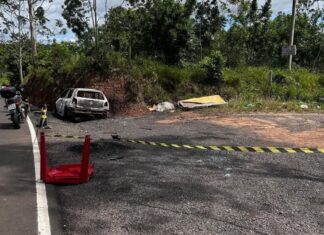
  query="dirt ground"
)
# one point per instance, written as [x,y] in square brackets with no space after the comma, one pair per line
[277,128]
[140,189]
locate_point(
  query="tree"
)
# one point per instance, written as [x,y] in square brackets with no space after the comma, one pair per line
[32,28]
[156,28]
[253,24]
[122,29]
[36,14]
[20,24]
[13,11]
[208,22]
[166,28]
[77,14]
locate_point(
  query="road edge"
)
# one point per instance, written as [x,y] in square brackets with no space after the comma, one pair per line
[43,222]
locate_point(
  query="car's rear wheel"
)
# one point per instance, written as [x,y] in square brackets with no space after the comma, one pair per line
[103,115]
[106,115]
[55,112]
[67,114]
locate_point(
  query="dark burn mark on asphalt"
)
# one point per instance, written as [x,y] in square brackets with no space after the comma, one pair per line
[101,146]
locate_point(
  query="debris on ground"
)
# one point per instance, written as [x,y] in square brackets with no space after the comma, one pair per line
[201,102]
[162,107]
[228,172]
[304,106]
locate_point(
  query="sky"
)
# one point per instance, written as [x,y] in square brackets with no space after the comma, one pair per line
[54,11]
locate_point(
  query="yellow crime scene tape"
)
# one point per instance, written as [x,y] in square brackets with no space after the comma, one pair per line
[227,148]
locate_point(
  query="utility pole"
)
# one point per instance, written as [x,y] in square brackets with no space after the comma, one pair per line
[293,14]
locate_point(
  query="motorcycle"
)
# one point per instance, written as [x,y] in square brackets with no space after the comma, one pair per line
[18,110]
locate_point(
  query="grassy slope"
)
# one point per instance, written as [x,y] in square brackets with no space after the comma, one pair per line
[246,88]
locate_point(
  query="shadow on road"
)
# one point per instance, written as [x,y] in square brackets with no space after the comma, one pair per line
[6,126]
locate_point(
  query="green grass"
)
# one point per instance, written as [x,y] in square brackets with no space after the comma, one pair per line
[253,83]
[263,105]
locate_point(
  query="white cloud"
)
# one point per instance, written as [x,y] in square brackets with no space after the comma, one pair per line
[54,11]
[280,5]
[285,5]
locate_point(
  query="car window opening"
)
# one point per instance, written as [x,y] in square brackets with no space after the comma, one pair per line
[70,93]
[90,95]
[64,93]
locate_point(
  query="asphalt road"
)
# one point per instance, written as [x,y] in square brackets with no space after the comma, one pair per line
[17,179]
[140,189]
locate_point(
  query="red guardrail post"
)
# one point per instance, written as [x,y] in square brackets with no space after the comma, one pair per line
[43,160]
[85,159]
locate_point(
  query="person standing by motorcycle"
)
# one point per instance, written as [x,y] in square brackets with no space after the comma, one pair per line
[19,101]
[25,100]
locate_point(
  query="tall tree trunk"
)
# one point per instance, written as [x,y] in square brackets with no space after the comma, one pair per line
[130,49]
[32,26]
[93,11]
[200,41]
[20,44]
[96,22]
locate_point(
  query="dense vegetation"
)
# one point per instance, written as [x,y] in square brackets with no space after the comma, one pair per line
[177,49]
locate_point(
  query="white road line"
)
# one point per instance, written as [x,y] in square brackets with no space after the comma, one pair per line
[43,223]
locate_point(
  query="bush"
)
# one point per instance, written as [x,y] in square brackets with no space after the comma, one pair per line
[4,79]
[198,74]
[246,82]
[321,81]
[213,66]
[169,77]
[115,60]
[41,75]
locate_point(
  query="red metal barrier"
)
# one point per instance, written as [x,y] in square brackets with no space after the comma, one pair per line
[43,160]
[75,173]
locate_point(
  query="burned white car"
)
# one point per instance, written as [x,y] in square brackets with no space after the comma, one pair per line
[82,101]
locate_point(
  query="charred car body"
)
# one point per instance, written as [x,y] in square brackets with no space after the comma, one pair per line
[82,101]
